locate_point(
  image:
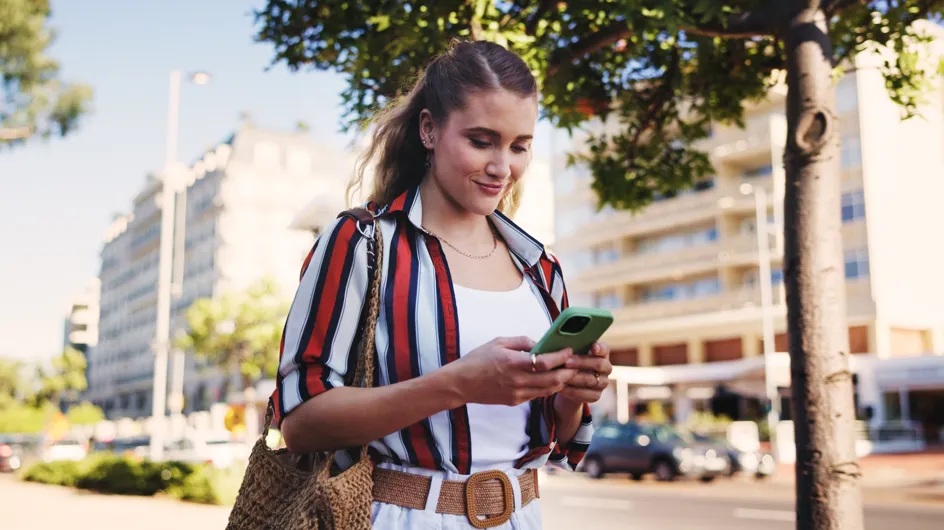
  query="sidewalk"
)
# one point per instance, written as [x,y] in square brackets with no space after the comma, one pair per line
[920,474]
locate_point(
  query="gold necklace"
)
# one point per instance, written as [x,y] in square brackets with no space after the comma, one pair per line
[453,247]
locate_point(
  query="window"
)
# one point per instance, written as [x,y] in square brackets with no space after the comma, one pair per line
[853,206]
[704,185]
[681,291]
[851,152]
[749,224]
[678,241]
[750,278]
[608,301]
[608,432]
[847,98]
[605,254]
[857,264]
[762,171]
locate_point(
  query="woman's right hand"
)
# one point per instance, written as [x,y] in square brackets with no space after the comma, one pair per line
[500,373]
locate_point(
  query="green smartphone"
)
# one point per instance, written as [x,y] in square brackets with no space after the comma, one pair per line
[577,328]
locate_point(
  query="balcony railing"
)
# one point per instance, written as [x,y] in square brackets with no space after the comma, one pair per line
[858,296]
[651,266]
[725,301]
[662,215]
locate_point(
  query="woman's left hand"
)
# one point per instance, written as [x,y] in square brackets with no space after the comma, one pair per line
[592,376]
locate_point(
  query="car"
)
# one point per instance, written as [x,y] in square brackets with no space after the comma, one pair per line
[9,459]
[65,449]
[220,452]
[643,448]
[759,464]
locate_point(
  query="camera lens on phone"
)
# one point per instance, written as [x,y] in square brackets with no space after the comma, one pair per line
[575,324]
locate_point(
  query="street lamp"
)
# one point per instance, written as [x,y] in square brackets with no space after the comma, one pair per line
[171,180]
[766,302]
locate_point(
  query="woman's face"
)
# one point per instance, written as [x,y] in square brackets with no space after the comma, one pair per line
[481,150]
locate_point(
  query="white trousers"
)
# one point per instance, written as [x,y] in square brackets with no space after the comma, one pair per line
[393,517]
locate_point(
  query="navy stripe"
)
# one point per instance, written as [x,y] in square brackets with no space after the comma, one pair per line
[443,359]
[535,417]
[339,300]
[414,235]
[511,224]
[404,434]
[440,313]
[302,382]
[315,297]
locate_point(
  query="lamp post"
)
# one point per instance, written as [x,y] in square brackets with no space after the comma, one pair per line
[171,181]
[766,302]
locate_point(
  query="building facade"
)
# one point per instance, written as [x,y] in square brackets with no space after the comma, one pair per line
[234,207]
[80,328]
[682,277]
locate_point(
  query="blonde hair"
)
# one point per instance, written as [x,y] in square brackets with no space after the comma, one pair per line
[396,155]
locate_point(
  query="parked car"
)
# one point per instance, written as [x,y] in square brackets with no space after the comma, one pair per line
[759,464]
[65,449]
[643,448]
[9,459]
[134,447]
[219,452]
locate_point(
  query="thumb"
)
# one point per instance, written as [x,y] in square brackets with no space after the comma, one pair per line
[550,361]
[520,343]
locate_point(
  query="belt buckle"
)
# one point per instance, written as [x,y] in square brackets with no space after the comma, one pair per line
[508,494]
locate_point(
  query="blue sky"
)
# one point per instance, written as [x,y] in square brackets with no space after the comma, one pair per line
[58,197]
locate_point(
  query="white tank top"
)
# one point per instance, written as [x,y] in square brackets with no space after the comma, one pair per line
[499,435]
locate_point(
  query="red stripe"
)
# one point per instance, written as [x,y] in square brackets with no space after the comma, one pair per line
[306,263]
[398,203]
[275,406]
[401,338]
[548,273]
[460,415]
[329,293]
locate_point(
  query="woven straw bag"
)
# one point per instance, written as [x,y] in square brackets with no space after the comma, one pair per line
[284,491]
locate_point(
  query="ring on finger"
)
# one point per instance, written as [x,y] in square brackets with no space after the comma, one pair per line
[534,362]
[597,376]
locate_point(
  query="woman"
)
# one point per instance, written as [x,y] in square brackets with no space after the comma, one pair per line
[465,293]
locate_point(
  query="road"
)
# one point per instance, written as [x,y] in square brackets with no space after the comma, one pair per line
[618,503]
[568,503]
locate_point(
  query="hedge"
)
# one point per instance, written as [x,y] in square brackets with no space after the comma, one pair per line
[122,475]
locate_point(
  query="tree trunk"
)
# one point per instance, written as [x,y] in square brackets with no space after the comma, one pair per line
[827,471]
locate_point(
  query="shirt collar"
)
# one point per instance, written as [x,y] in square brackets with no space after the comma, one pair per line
[520,242]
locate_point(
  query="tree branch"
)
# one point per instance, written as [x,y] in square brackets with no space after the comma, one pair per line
[831,7]
[606,36]
[760,22]
[757,23]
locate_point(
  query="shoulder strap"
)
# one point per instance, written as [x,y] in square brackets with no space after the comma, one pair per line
[364,371]
[363,215]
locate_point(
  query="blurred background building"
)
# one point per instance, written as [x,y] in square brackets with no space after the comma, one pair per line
[682,277]
[239,200]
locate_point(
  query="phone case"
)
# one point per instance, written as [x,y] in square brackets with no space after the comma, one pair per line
[557,338]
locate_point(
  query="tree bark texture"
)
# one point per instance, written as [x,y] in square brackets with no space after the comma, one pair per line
[827,471]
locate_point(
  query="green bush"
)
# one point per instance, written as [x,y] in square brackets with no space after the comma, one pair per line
[107,473]
[117,474]
[196,487]
[57,473]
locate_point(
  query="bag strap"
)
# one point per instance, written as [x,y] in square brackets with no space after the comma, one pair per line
[364,370]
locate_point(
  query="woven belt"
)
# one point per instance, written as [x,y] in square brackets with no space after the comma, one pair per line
[487,494]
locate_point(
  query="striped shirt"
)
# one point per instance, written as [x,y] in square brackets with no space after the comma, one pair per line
[417,332]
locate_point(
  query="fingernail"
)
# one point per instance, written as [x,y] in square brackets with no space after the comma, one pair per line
[571,362]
